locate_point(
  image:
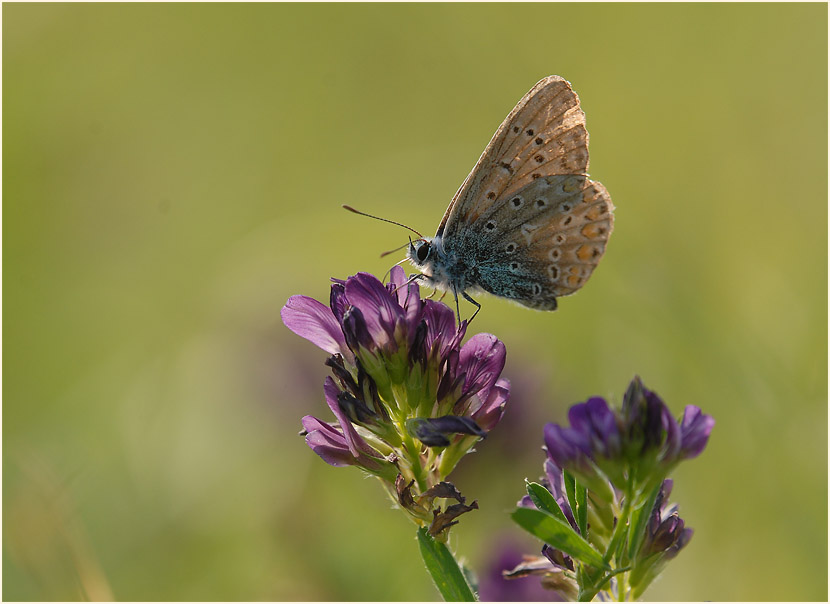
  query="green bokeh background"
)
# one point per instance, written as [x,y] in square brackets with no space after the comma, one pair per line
[172,173]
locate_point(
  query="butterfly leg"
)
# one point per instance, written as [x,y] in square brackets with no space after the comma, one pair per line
[457,309]
[469,299]
[415,277]
[412,279]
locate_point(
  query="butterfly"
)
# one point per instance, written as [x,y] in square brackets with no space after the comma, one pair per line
[527,224]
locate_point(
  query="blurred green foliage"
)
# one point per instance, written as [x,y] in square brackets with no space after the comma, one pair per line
[173,172]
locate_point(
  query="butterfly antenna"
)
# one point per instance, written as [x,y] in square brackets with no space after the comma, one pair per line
[395,250]
[351,209]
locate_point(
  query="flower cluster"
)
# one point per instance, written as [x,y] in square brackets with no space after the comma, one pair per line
[606,492]
[409,398]
[632,450]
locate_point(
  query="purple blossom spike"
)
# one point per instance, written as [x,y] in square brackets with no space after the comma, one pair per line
[400,371]
[606,472]
[632,447]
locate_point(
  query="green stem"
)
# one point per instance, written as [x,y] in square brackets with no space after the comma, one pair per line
[622,586]
[619,530]
[613,573]
[413,456]
[595,579]
[445,571]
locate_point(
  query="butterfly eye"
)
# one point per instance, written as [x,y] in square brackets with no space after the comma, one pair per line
[422,252]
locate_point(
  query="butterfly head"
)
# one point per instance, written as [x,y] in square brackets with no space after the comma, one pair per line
[429,256]
[419,252]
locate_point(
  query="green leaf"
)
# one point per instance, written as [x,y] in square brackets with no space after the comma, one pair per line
[444,570]
[570,489]
[558,534]
[582,509]
[577,498]
[544,500]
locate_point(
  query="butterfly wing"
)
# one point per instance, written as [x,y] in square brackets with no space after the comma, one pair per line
[531,224]
[543,135]
[544,242]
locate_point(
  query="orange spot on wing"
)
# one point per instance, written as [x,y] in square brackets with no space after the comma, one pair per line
[585,252]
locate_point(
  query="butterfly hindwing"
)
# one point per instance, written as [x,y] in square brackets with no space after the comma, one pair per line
[543,241]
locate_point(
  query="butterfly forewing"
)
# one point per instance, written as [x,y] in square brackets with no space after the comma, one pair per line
[544,135]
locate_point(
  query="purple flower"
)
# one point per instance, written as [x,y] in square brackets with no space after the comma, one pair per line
[607,474]
[633,447]
[665,535]
[590,448]
[648,424]
[695,428]
[397,362]
[490,407]
[330,444]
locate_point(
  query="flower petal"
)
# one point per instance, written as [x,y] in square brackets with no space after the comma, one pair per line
[598,424]
[327,442]
[441,328]
[408,296]
[491,410]
[315,322]
[354,441]
[671,429]
[565,446]
[482,360]
[355,330]
[380,309]
[337,299]
[695,428]
[434,431]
